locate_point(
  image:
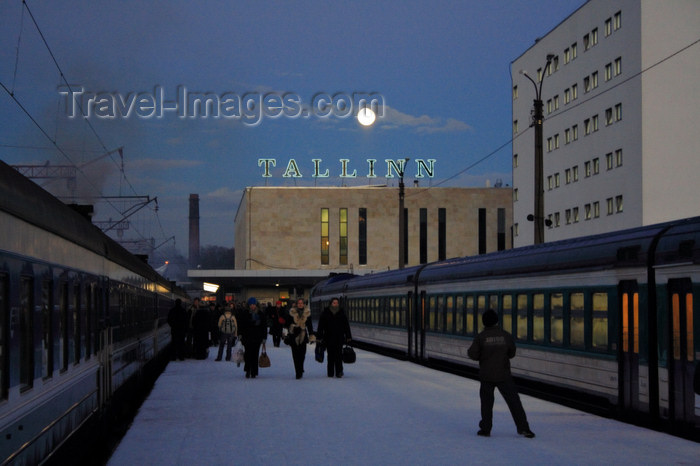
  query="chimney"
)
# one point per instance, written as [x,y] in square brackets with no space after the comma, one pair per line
[194,231]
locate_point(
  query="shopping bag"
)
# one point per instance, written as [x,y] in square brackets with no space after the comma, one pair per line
[319,352]
[348,356]
[264,360]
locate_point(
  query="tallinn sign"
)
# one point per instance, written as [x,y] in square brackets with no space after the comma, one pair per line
[424,167]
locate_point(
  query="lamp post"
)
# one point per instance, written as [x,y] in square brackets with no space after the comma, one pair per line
[402,220]
[537,119]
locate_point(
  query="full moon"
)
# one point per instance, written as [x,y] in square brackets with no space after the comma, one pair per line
[366,116]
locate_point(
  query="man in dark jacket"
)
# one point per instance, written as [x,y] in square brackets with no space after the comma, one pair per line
[493,348]
[334,330]
[254,333]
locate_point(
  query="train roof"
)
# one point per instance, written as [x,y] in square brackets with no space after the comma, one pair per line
[24,199]
[673,242]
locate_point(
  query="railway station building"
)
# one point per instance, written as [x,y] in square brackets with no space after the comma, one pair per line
[621,101]
[289,238]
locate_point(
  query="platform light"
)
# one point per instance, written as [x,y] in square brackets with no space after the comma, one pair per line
[211,287]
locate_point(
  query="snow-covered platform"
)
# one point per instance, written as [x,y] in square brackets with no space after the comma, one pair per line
[382,412]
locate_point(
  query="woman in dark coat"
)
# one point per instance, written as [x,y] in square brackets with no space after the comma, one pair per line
[301,329]
[254,333]
[334,332]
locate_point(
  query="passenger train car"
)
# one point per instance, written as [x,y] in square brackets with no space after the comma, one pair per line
[82,322]
[611,319]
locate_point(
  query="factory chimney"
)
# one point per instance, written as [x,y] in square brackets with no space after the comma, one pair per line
[194,231]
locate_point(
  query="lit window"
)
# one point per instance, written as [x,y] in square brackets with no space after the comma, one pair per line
[549,105]
[325,243]
[343,237]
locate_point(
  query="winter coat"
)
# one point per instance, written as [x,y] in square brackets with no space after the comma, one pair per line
[333,329]
[301,319]
[493,348]
[253,327]
[178,320]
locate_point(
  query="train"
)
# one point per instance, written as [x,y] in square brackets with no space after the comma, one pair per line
[83,325]
[609,323]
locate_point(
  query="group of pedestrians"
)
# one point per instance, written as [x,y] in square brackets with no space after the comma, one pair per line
[492,348]
[191,333]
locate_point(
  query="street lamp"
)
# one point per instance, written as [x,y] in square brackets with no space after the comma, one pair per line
[402,220]
[537,119]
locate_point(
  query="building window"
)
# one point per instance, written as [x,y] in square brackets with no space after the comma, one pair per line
[618,158]
[587,168]
[608,27]
[587,84]
[575,214]
[618,112]
[482,231]
[515,160]
[567,95]
[608,116]
[549,144]
[325,243]
[549,182]
[587,126]
[556,180]
[556,141]
[567,215]
[596,209]
[594,80]
[617,68]
[501,240]
[596,166]
[574,48]
[609,160]
[515,126]
[567,136]
[551,223]
[586,42]
[575,173]
[362,235]
[618,204]
[594,37]
[515,230]
[609,201]
[617,21]
[594,123]
[515,92]
[608,72]
[423,235]
[515,194]
[587,211]
[557,219]
[549,105]
[574,132]
[567,55]
[343,236]
[442,233]
[567,175]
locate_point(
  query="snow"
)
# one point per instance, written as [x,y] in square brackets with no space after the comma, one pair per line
[383,411]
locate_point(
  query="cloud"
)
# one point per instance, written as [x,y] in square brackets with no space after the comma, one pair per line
[162,164]
[395,119]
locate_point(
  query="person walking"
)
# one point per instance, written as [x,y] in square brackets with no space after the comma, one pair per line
[254,333]
[228,332]
[302,331]
[276,320]
[177,319]
[493,347]
[333,333]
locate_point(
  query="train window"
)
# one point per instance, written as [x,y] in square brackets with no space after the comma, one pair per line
[4,336]
[507,313]
[63,322]
[449,315]
[77,312]
[522,318]
[481,308]
[493,302]
[678,336]
[46,329]
[538,317]
[556,319]
[440,314]
[689,326]
[403,311]
[89,318]
[469,315]
[26,332]
[600,321]
[576,321]
[459,315]
[431,313]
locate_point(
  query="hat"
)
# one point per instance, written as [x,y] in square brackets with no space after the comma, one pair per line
[489,318]
[252,301]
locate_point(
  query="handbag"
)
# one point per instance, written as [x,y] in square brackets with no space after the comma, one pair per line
[264,360]
[238,353]
[319,352]
[348,356]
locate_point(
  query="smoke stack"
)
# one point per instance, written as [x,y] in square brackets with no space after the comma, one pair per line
[194,231]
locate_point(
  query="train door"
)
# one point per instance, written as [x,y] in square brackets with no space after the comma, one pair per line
[629,350]
[681,364]
[417,333]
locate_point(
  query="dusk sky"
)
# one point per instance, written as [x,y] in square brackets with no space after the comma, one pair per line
[441,69]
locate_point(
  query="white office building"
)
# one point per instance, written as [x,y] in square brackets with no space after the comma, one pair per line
[621,98]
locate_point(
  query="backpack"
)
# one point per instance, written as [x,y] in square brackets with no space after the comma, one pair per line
[227,325]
